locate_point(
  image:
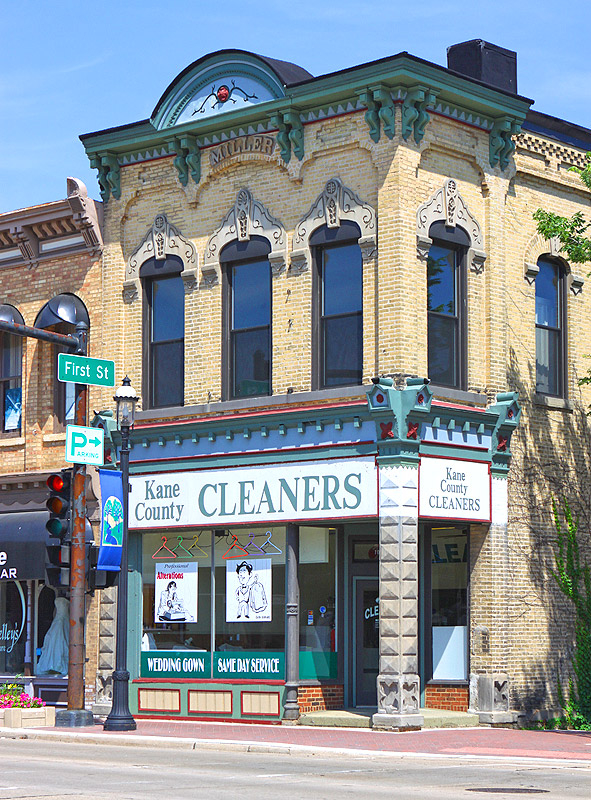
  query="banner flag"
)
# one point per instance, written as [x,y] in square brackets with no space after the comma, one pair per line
[109,557]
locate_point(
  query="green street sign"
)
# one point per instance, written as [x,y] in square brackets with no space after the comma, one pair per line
[85,445]
[81,369]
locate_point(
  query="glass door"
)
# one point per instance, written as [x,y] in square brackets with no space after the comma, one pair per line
[366,641]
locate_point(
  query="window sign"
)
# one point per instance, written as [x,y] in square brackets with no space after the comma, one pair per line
[248,590]
[298,491]
[454,489]
[175,664]
[175,592]
[249,665]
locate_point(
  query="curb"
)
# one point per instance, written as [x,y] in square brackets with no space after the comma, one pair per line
[281,748]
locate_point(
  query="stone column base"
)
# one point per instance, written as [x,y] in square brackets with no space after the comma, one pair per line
[398,722]
[496,717]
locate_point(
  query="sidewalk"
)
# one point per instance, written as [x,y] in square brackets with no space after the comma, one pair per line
[479,742]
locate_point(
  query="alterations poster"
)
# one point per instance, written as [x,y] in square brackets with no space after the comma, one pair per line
[175,592]
[248,590]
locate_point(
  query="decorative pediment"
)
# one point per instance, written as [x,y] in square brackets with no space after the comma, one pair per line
[539,246]
[248,217]
[162,240]
[334,205]
[447,205]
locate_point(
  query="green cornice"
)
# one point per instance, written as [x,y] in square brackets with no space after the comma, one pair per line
[402,78]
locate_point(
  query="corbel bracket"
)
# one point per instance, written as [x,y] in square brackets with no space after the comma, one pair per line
[188,158]
[28,244]
[380,111]
[109,175]
[501,143]
[414,112]
[290,136]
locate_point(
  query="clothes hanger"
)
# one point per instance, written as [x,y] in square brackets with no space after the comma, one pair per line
[251,543]
[235,543]
[196,544]
[269,542]
[181,546]
[167,549]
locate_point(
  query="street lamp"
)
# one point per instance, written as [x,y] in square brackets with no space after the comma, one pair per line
[120,718]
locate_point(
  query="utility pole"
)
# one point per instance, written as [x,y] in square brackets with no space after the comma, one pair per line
[75,715]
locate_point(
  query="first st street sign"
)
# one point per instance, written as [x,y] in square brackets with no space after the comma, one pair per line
[81,369]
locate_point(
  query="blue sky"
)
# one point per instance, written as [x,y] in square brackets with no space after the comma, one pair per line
[68,67]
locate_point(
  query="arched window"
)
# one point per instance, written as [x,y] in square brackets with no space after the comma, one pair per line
[11,359]
[338,306]
[164,332]
[60,315]
[550,328]
[446,305]
[247,318]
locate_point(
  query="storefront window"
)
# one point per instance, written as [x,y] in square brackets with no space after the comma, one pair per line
[449,598]
[176,592]
[318,644]
[13,612]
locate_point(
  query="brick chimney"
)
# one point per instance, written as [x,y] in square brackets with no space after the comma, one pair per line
[486,62]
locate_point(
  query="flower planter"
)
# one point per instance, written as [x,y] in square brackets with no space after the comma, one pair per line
[27,717]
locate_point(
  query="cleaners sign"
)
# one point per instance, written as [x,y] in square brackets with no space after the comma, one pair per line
[299,491]
[454,489]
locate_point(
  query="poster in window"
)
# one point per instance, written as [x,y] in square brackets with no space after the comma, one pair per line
[175,595]
[248,590]
[12,409]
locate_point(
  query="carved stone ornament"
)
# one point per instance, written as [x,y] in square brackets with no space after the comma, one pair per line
[245,219]
[447,205]
[336,204]
[162,240]
[537,247]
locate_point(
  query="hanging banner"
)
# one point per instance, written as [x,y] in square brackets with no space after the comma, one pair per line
[175,592]
[109,557]
[248,590]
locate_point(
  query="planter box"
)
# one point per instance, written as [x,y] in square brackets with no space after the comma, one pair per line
[27,717]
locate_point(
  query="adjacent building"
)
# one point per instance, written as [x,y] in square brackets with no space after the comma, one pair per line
[358,366]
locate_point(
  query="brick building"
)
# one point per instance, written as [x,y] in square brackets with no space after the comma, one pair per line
[50,277]
[285,258]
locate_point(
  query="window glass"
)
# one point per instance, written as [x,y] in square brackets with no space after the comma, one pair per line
[167,351]
[341,318]
[251,294]
[442,347]
[441,280]
[250,590]
[10,381]
[318,645]
[13,629]
[342,284]
[164,634]
[251,361]
[449,599]
[549,378]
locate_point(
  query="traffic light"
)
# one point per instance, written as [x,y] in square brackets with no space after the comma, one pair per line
[57,570]
[59,504]
[98,578]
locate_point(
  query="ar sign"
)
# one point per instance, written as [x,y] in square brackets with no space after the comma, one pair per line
[85,445]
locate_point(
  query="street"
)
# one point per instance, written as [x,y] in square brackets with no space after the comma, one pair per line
[52,770]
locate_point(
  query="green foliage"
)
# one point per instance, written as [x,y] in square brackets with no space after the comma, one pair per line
[570,231]
[573,578]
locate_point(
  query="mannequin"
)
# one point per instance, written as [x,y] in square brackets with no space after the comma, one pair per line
[54,653]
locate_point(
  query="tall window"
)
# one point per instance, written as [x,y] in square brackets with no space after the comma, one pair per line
[338,354]
[550,340]
[446,313]
[250,328]
[247,315]
[166,368]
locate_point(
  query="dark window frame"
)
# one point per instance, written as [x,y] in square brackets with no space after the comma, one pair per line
[7,379]
[562,330]
[457,241]
[150,272]
[235,254]
[348,233]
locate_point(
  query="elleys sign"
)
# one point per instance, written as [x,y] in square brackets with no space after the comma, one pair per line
[299,491]
[454,489]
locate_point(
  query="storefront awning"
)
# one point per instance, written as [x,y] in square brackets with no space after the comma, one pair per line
[23,538]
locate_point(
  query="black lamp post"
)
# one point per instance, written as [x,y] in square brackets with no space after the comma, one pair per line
[120,718]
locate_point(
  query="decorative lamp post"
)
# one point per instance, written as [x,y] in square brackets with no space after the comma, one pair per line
[120,718]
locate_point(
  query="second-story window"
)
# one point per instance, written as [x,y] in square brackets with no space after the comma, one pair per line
[11,357]
[338,301]
[248,308]
[446,308]
[166,298]
[550,339]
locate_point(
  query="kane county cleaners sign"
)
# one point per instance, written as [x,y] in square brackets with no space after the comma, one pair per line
[306,490]
[454,489]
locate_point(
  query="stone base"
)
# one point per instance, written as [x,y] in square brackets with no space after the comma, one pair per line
[73,718]
[398,722]
[496,717]
[102,709]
